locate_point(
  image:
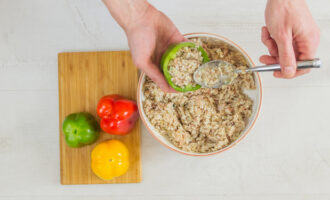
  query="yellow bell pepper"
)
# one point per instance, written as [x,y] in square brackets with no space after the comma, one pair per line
[110,159]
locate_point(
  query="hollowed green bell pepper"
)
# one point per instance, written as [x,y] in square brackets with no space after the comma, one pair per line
[170,54]
[80,129]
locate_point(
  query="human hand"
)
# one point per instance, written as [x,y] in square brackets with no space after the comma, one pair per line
[149,33]
[290,34]
[148,39]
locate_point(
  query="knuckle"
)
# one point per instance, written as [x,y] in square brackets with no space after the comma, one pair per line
[285,55]
[268,43]
[282,36]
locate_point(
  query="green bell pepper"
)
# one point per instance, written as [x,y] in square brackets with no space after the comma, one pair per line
[80,129]
[170,54]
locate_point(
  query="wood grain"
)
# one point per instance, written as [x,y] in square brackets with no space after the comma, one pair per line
[85,77]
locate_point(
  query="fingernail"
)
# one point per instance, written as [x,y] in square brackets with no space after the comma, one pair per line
[289,70]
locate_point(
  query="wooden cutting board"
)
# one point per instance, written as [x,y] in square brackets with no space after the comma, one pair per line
[85,77]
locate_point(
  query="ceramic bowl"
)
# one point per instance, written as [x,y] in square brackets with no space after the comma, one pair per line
[255,95]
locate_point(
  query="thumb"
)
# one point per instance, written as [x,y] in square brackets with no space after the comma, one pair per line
[287,57]
[154,73]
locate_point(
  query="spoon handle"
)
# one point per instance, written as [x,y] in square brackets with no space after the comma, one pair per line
[315,63]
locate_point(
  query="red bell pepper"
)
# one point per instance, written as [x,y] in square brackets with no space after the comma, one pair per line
[118,115]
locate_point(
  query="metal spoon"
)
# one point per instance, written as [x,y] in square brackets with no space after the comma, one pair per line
[228,72]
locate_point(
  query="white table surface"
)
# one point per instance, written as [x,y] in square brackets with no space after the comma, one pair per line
[286,155]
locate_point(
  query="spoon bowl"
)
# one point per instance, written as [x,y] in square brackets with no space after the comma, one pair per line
[214,74]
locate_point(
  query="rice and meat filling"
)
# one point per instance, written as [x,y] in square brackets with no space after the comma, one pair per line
[183,66]
[205,120]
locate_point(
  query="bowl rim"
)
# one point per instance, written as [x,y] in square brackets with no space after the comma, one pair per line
[230,145]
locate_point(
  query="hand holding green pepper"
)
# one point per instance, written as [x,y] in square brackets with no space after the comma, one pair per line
[149,33]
